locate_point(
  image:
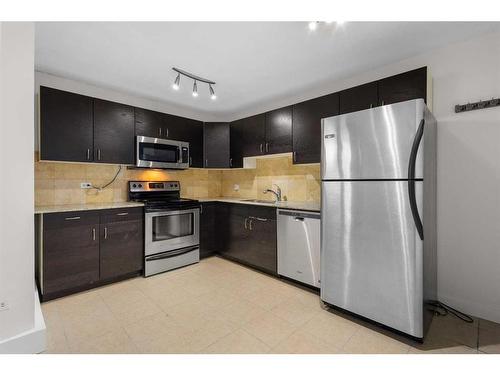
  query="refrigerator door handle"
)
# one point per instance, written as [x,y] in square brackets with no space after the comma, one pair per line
[411,180]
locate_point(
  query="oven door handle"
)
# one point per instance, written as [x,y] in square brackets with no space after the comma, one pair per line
[170,254]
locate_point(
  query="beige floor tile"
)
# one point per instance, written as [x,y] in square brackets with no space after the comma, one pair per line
[171,343]
[331,328]
[238,342]
[115,342]
[135,311]
[294,311]
[367,341]
[193,314]
[241,312]
[151,328]
[451,328]
[489,341]
[209,334]
[56,340]
[265,298]
[304,343]
[269,329]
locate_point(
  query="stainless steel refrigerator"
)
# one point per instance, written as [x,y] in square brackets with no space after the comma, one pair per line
[378,214]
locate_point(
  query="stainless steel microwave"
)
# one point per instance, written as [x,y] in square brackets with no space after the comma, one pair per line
[161,153]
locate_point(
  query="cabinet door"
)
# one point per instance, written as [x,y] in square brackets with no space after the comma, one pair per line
[192,132]
[359,98]
[279,131]
[306,127]
[122,246]
[66,126]
[237,143]
[207,229]
[149,123]
[70,256]
[406,86]
[231,221]
[261,246]
[216,144]
[113,132]
[254,135]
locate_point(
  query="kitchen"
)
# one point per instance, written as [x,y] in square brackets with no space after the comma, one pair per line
[162,229]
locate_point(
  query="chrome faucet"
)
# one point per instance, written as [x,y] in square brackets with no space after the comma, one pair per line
[277,193]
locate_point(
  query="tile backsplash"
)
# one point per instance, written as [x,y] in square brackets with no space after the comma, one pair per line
[59,183]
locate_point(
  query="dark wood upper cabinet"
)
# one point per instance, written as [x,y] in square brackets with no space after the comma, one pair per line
[359,98]
[306,128]
[216,144]
[66,126]
[237,143]
[254,135]
[278,131]
[401,87]
[113,132]
[151,123]
[191,131]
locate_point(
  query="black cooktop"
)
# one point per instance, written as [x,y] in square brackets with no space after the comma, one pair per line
[159,195]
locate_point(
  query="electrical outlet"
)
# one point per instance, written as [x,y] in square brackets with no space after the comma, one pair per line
[85,185]
[236,187]
[4,306]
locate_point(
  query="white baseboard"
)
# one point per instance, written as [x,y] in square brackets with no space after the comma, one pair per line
[31,341]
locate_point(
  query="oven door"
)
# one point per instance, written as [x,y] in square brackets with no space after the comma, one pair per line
[171,230]
[161,153]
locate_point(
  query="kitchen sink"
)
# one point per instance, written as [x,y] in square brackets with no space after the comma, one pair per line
[258,201]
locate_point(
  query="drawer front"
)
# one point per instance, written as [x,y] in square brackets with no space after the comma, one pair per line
[122,214]
[70,219]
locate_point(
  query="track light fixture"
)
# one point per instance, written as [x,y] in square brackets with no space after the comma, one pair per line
[195,78]
[176,84]
[195,89]
[212,92]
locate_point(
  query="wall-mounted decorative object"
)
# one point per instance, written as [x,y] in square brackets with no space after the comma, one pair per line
[195,78]
[477,105]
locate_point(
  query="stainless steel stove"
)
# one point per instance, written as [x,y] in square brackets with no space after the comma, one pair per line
[172,225]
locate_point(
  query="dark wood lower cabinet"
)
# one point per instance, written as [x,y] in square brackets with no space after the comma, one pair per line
[70,256]
[247,234]
[207,229]
[83,249]
[121,243]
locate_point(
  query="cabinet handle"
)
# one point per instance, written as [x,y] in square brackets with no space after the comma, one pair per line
[383,102]
[257,218]
[98,154]
[201,209]
[159,131]
[261,149]
[167,132]
[190,161]
[122,214]
[88,154]
[93,234]
[105,233]
[72,218]
[246,223]
[371,105]
[206,162]
[294,156]
[267,146]
[231,162]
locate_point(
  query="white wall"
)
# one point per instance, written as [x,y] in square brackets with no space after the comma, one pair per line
[468,167]
[17,283]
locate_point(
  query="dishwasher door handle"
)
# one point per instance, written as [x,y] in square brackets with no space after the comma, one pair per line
[298,218]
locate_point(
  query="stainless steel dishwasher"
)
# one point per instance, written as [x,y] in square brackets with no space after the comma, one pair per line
[299,245]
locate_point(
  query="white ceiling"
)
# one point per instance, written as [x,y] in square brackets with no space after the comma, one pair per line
[252,62]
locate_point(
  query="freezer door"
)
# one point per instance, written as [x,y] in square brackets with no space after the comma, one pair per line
[372,144]
[371,252]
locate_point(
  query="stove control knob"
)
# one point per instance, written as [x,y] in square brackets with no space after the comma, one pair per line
[140,185]
[134,185]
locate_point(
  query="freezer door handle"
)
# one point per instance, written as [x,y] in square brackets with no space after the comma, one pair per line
[411,180]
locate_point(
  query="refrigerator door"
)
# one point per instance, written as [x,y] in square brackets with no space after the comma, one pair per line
[372,144]
[371,252]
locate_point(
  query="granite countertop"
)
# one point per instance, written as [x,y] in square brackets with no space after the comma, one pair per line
[305,206]
[85,207]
